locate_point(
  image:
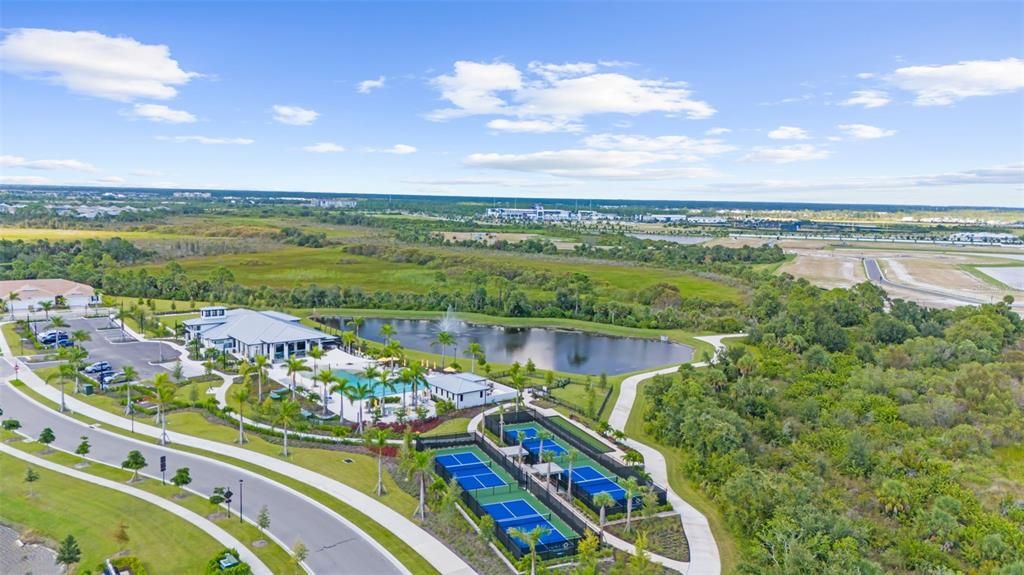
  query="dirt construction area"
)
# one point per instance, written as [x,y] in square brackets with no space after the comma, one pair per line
[933,277]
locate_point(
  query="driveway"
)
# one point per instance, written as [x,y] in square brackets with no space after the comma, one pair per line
[108,344]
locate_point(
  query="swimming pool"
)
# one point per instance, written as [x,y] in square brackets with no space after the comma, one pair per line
[375,385]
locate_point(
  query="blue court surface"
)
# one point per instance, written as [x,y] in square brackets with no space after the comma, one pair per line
[470,471]
[532,444]
[520,514]
[593,482]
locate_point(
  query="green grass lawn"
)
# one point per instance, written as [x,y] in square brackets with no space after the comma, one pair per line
[56,506]
[579,434]
[13,339]
[399,548]
[728,547]
[454,425]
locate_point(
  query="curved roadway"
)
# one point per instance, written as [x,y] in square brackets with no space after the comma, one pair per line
[334,547]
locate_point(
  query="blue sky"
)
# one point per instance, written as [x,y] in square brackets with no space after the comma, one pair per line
[907,102]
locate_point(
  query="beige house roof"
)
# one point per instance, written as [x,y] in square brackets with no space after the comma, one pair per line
[33,289]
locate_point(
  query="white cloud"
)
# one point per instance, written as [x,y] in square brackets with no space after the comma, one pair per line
[717,131]
[789,133]
[552,72]
[29,180]
[1011,174]
[864,131]
[866,75]
[161,113]
[534,126]
[367,86]
[399,149]
[294,115]
[110,180]
[787,154]
[207,140]
[561,92]
[673,147]
[91,63]
[19,162]
[474,88]
[324,148]
[588,163]
[867,99]
[944,85]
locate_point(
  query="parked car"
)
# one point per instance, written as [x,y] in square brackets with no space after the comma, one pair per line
[109,378]
[64,342]
[98,367]
[51,337]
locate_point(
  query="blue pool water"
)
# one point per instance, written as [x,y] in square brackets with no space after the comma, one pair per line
[375,384]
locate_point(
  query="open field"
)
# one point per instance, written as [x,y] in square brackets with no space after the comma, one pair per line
[56,505]
[825,268]
[296,266]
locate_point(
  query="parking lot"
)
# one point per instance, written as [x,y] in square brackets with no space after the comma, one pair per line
[107,344]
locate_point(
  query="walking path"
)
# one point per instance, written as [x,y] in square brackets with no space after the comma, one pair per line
[212,529]
[435,552]
[704,558]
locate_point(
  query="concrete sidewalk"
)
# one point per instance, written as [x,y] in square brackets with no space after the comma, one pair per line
[212,529]
[704,557]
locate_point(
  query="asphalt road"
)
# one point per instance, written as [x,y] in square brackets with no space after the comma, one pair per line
[872,270]
[334,548]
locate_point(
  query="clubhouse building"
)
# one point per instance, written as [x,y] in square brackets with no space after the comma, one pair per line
[248,333]
[29,295]
[467,389]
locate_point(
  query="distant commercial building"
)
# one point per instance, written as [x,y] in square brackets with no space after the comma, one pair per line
[539,213]
[984,238]
[248,333]
[676,218]
[30,294]
[332,203]
[193,195]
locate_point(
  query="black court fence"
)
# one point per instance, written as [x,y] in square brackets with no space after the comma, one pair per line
[493,424]
[588,498]
[444,441]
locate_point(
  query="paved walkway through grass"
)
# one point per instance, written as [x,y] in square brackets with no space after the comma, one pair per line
[212,529]
[704,557]
[435,552]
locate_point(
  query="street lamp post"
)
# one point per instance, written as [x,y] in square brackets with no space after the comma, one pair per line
[240,501]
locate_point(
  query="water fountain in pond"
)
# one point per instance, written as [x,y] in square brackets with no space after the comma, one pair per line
[449,322]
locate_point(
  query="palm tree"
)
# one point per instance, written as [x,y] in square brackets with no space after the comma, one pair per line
[359,392]
[11,298]
[416,374]
[58,321]
[341,387]
[517,383]
[570,457]
[376,440]
[241,395]
[47,306]
[348,339]
[604,500]
[386,331]
[317,353]
[632,488]
[295,365]
[418,464]
[287,412]
[501,423]
[325,377]
[80,336]
[356,323]
[444,339]
[63,371]
[130,375]
[260,362]
[546,456]
[123,315]
[75,357]
[531,538]
[164,396]
[476,352]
